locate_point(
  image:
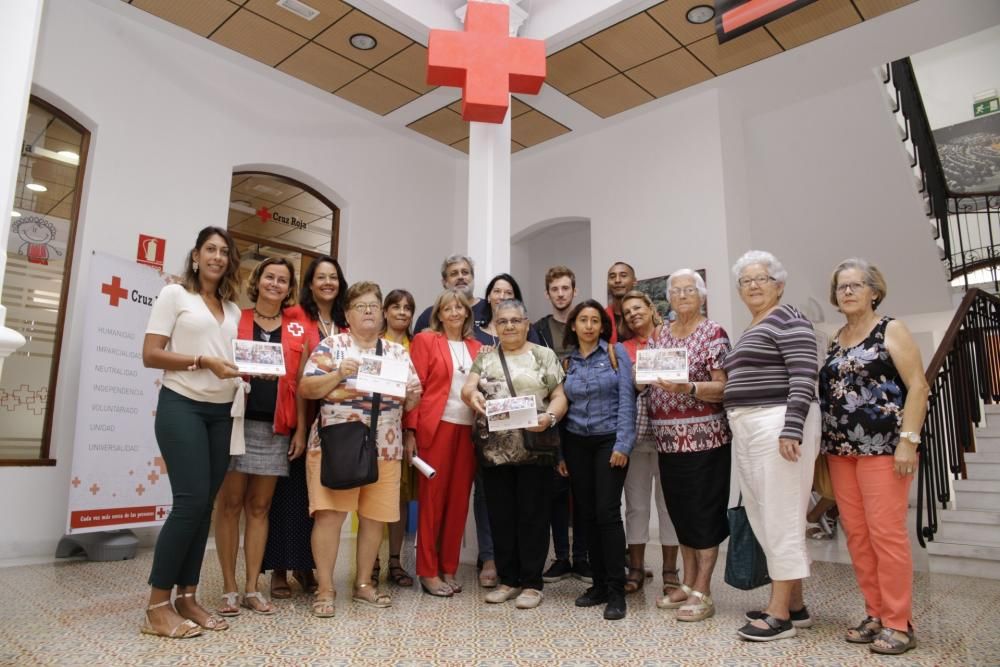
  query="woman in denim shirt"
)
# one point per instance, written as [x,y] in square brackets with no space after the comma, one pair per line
[600,433]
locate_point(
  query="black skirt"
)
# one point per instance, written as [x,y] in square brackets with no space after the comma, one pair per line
[696,490]
[289,535]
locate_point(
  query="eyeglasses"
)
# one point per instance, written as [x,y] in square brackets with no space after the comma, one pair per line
[512,322]
[366,308]
[755,280]
[854,287]
[686,291]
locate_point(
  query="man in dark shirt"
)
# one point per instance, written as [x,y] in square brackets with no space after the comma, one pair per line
[458,271]
[621,281]
[560,289]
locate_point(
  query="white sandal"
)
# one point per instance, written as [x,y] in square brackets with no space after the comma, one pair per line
[230,604]
[698,611]
[256,595]
[666,603]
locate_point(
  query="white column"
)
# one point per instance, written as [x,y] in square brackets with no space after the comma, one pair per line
[489,198]
[19,25]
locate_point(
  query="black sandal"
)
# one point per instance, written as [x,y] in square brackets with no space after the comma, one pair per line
[866,631]
[894,645]
[397,574]
[671,579]
[635,579]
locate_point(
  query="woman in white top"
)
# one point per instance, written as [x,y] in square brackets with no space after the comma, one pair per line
[189,336]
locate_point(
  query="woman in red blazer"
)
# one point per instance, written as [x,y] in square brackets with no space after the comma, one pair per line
[439,429]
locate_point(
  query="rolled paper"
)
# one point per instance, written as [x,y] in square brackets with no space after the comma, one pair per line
[422,466]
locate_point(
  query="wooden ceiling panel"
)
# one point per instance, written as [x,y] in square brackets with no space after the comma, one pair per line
[304,237]
[444,125]
[322,225]
[632,42]
[198,16]
[321,67]
[612,96]
[377,93]
[266,188]
[670,73]
[409,68]
[812,22]
[329,11]
[535,127]
[575,68]
[308,203]
[672,15]
[258,38]
[743,50]
[338,38]
[872,8]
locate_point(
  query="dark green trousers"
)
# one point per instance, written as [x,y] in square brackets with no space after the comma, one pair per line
[193,437]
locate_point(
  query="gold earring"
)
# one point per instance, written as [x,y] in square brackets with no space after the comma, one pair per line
[194,266]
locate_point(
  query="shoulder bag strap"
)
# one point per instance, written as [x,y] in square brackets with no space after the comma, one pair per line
[376,400]
[506,371]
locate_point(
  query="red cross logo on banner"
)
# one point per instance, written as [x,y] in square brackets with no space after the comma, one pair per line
[263,214]
[114,290]
[485,62]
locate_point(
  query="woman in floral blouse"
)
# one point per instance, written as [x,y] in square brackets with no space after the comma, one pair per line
[873,397]
[693,438]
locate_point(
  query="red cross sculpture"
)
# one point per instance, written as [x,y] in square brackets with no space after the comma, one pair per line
[263,214]
[114,290]
[485,62]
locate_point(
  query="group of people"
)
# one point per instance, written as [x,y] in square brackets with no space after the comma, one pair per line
[765,404]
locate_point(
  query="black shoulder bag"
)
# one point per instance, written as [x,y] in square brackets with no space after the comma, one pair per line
[746,565]
[349,450]
[544,442]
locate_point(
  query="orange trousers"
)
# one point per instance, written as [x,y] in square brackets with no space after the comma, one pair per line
[872,501]
[444,500]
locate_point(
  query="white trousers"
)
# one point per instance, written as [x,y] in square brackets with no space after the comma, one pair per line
[643,473]
[776,492]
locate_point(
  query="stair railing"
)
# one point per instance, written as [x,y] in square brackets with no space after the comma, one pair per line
[963,375]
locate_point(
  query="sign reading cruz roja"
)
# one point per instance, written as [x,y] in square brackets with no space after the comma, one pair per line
[485,62]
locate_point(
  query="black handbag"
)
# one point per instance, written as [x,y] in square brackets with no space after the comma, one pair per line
[746,565]
[544,442]
[349,450]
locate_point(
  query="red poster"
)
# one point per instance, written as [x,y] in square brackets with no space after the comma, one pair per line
[151,251]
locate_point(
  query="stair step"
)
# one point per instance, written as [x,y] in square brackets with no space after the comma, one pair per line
[977,494]
[983,465]
[968,567]
[987,442]
[969,516]
[988,552]
[969,527]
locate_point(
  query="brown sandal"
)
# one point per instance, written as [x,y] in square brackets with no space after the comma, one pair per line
[865,631]
[635,579]
[397,574]
[671,579]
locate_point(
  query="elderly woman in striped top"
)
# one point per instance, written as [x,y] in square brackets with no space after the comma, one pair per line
[770,398]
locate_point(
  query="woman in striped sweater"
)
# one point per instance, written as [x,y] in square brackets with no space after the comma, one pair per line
[770,398]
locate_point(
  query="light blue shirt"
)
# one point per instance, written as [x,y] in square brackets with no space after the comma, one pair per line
[601,399]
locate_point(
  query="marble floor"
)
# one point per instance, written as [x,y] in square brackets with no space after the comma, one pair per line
[81,613]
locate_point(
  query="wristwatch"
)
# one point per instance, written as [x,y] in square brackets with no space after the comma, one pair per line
[911,436]
[553,420]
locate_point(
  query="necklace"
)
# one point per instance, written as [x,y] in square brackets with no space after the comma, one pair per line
[460,362]
[266,317]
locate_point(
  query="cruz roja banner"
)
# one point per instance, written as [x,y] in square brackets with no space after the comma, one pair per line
[118,478]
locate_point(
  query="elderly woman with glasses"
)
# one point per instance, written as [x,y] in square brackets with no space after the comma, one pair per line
[331,375]
[873,395]
[517,479]
[693,441]
[770,398]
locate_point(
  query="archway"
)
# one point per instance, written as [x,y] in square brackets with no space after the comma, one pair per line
[548,243]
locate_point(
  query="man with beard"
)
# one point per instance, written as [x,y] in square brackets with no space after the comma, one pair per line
[621,281]
[560,289]
[457,271]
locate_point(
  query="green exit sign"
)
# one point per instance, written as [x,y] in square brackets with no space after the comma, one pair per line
[983,107]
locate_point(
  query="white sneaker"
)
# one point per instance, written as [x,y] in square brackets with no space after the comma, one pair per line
[529,599]
[502,594]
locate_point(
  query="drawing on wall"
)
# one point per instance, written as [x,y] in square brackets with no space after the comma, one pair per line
[39,238]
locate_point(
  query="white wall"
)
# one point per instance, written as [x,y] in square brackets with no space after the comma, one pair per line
[951,75]
[565,242]
[172,115]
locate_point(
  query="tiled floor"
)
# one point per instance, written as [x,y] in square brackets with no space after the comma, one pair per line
[80,613]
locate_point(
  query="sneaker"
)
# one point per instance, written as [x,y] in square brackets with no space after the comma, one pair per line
[502,594]
[582,571]
[529,599]
[799,618]
[776,629]
[592,597]
[559,570]
[615,609]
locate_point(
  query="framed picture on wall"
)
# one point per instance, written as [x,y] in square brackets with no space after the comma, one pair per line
[656,289]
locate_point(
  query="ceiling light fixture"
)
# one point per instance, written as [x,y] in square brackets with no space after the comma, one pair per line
[300,9]
[700,14]
[69,156]
[15,214]
[363,41]
[36,187]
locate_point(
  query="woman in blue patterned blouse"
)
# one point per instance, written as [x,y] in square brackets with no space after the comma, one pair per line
[873,396]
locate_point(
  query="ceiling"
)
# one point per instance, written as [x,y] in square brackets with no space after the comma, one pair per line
[626,59]
[45,136]
[276,212]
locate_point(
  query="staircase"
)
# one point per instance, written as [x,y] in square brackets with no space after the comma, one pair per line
[968,539]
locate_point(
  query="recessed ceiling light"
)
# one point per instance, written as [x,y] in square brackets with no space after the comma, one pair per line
[70,156]
[15,214]
[36,187]
[700,14]
[363,41]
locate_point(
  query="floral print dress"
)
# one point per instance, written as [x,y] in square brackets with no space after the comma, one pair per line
[861,397]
